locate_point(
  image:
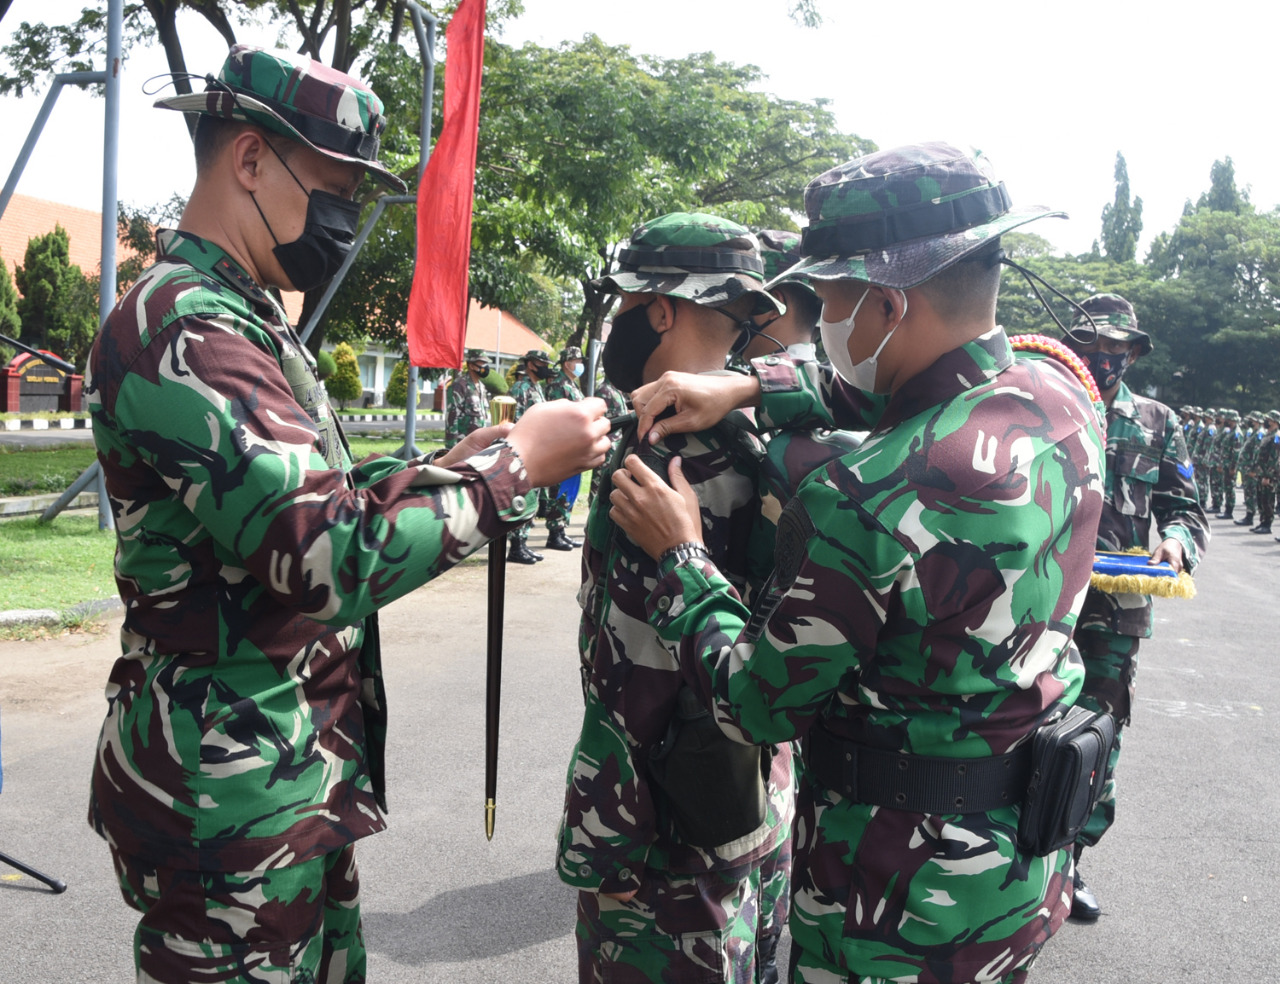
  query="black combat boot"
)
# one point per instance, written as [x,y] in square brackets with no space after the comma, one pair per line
[1261,528]
[521,554]
[1228,512]
[1247,521]
[1084,904]
[560,540]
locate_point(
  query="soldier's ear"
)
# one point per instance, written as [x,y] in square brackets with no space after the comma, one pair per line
[246,152]
[662,313]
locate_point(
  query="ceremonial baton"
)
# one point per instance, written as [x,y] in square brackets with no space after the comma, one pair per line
[501,409]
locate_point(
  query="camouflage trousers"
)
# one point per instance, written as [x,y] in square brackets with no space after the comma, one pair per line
[551,505]
[1266,501]
[294,925]
[775,903]
[1250,486]
[1227,482]
[882,895]
[1111,669]
[678,929]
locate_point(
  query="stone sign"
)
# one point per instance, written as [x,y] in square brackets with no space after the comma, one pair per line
[30,383]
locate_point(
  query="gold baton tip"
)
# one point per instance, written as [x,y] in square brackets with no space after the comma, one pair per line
[502,409]
[489,809]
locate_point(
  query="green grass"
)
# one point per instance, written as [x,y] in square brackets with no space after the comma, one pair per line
[55,565]
[362,447]
[50,469]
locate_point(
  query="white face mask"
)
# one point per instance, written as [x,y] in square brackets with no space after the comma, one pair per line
[835,339]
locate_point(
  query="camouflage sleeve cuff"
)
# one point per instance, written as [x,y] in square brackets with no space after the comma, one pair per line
[503,473]
[777,374]
[680,584]
[1181,534]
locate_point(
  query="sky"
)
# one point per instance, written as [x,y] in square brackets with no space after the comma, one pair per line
[1050,92]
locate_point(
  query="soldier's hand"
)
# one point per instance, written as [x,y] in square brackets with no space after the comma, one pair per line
[1169,550]
[477,440]
[700,401]
[655,515]
[561,438]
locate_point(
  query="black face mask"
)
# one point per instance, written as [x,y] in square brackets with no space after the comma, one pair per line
[631,342]
[1107,367]
[316,256]
[543,372]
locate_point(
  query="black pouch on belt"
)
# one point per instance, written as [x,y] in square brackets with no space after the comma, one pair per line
[713,787]
[1068,769]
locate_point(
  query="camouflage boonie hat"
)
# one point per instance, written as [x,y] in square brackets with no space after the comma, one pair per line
[897,217]
[1273,415]
[1115,318]
[476,355]
[701,258]
[536,355]
[327,110]
[570,352]
[781,251]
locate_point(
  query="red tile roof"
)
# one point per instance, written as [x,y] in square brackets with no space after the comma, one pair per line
[27,217]
[501,331]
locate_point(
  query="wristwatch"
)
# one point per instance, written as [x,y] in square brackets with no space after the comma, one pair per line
[681,552]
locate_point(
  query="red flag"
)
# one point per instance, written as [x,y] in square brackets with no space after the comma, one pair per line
[437,323]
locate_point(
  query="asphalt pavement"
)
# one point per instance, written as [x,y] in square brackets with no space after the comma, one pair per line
[1187,878]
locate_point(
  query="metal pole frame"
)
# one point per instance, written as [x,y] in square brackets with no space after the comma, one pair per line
[110,78]
[424,29]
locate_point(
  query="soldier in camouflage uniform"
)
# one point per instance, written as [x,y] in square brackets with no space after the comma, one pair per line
[1248,473]
[1202,456]
[562,386]
[926,582]
[1230,438]
[1217,458]
[654,904]
[795,331]
[535,367]
[241,754]
[468,404]
[1267,465]
[1149,480]
[616,405]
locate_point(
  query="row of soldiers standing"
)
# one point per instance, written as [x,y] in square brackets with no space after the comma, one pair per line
[1227,447]
[534,382]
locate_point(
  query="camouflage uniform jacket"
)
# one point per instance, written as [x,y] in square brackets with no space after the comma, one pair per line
[614,825]
[1230,441]
[1248,453]
[931,612]
[526,392]
[614,401]
[1202,454]
[1267,462]
[1149,479]
[249,550]
[468,408]
[561,387]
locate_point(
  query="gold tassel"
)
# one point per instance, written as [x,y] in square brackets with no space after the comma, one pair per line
[1182,586]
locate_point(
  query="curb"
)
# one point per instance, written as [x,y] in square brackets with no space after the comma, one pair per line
[44,423]
[48,617]
[28,505]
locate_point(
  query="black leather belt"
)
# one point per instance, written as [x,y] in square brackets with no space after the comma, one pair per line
[917,783]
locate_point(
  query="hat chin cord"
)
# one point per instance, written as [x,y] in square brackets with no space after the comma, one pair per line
[1031,278]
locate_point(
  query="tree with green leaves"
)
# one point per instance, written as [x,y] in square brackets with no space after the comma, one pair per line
[1222,267]
[397,392]
[59,305]
[9,323]
[581,142]
[344,385]
[1121,220]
